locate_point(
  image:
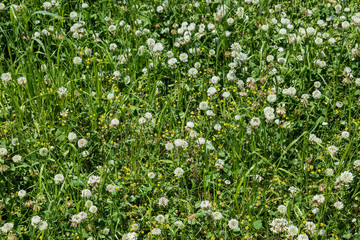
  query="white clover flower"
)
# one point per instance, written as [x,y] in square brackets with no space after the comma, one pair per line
[5,78]
[115,122]
[310,31]
[212,52]
[129,236]
[22,81]
[94,180]
[203,105]
[172,62]
[345,134]
[86,193]
[160,218]
[302,237]
[22,194]
[156,231]
[217,127]
[332,150]
[329,172]
[72,137]
[233,223]
[163,202]
[43,226]
[35,221]
[201,141]
[357,165]
[62,91]
[110,188]
[317,84]
[169,146]
[193,134]
[211,91]
[282,31]
[47,5]
[268,111]
[88,51]
[357,82]
[278,225]
[110,96]
[43,152]
[7,227]
[271,98]
[190,124]
[345,24]
[209,113]
[339,104]
[216,79]
[112,28]
[113,46]
[142,120]
[179,224]
[158,48]
[292,231]
[315,210]
[77,60]
[205,205]
[73,16]
[76,219]
[151,175]
[318,198]
[82,143]
[85,153]
[338,205]
[282,209]
[58,178]
[192,72]
[270,58]
[93,209]
[216,216]
[310,227]
[178,143]
[178,172]
[88,203]
[346,177]
[318,41]
[160,9]
[226,95]
[148,115]
[255,122]
[316,94]
[16,158]
[14,142]
[135,226]
[183,57]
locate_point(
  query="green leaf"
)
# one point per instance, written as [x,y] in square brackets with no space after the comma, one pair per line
[132,198]
[47,13]
[257,224]
[40,43]
[209,146]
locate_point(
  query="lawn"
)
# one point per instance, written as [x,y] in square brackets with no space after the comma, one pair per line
[180,119]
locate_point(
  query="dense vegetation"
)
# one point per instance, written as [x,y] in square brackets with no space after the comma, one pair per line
[179,119]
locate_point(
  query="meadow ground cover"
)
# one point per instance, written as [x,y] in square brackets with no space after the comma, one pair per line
[179,119]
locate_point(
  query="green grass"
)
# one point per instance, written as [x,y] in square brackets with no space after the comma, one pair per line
[247,172]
